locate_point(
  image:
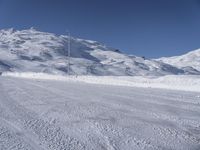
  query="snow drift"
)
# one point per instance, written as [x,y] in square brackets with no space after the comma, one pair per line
[174,82]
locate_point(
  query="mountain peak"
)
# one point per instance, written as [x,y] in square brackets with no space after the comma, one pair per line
[190,59]
[35,51]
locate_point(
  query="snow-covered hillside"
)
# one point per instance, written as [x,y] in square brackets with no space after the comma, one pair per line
[189,61]
[35,51]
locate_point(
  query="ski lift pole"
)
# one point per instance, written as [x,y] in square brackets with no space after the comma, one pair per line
[68,52]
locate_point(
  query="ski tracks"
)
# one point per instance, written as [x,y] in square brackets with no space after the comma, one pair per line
[45,134]
[100,117]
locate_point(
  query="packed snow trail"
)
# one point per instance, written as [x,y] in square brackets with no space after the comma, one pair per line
[59,115]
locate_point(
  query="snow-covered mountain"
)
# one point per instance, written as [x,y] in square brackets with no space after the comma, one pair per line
[189,61]
[35,51]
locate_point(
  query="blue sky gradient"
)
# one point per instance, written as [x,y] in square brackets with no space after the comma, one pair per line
[151,28]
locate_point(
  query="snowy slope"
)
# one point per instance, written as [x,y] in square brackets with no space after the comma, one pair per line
[35,51]
[173,82]
[50,115]
[189,61]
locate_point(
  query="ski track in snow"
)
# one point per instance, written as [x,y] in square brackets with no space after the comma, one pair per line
[59,115]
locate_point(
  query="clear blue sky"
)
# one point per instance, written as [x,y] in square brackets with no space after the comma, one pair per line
[150,28]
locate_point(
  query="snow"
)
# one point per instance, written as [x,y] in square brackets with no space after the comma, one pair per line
[190,59]
[173,82]
[34,51]
[38,114]
[110,101]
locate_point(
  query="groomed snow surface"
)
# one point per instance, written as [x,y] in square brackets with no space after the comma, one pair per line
[113,114]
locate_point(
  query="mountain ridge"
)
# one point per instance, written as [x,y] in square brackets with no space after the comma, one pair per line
[190,59]
[35,51]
